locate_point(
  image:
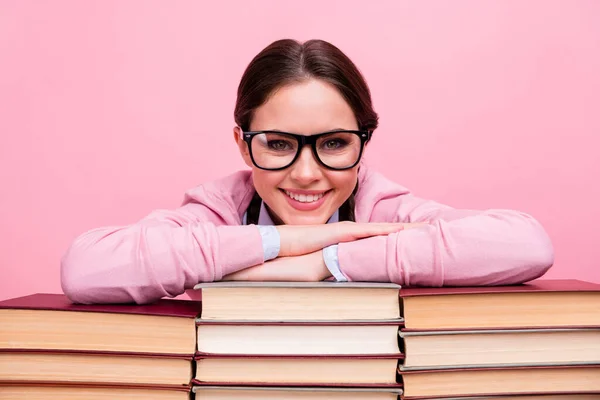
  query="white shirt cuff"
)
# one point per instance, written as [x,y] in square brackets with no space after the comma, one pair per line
[330,256]
[271,241]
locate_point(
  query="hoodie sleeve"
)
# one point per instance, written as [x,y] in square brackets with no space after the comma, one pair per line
[457,248]
[162,255]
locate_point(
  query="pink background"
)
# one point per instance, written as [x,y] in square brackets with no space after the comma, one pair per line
[110,109]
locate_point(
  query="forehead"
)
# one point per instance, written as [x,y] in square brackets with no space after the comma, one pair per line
[307,108]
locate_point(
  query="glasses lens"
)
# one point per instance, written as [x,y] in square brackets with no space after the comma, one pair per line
[273,150]
[339,149]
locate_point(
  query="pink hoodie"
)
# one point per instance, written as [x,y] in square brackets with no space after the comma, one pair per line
[170,251]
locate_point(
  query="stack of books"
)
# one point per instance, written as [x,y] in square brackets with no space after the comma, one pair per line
[325,340]
[261,340]
[52,349]
[540,339]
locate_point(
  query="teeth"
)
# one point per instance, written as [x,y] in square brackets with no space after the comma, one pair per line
[304,198]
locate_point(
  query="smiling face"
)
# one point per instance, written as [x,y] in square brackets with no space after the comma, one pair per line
[305,193]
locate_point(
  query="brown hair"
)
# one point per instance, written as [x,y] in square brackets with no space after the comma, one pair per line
[288,61]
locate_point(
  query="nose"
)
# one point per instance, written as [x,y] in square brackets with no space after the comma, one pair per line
[306,169]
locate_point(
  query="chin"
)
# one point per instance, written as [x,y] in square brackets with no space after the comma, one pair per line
[306,220]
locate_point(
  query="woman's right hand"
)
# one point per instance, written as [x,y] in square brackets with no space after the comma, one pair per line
[304,239]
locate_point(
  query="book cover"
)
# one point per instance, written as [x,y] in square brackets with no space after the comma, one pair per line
[60,302]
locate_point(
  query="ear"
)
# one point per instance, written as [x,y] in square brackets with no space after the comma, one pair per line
[242,146]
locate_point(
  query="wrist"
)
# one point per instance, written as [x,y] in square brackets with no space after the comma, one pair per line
[322,272]
[284,240]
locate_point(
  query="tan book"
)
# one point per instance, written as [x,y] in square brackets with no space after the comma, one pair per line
[95,367]
[298,338]
[296,370]
[294,393]
[538,304]
[299,301]
[501,381]
[570,396]
[508,347]
[57,391]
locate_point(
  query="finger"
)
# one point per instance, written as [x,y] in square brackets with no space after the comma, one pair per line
[415,225]
[391,227]
[366,230]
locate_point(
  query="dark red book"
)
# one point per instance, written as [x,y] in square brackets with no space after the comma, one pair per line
[52,322]
[538,304]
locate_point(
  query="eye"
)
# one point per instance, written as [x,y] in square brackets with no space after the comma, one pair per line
[333,144]
[278,145]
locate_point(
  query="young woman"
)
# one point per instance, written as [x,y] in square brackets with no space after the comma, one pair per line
[308,209]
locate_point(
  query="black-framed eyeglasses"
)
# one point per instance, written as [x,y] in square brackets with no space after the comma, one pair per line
[276,150]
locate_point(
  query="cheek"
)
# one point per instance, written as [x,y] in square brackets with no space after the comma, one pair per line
[266,181]
[343,181]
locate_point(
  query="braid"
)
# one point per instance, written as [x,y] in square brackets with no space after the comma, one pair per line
[253,210]
[347,209]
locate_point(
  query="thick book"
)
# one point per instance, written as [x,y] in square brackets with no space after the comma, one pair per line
[52,322]
[570,396]
[294,393]
[32,390]
[538,304]
[95,367]
[501,381]
[299,301]
[298,338]
[507,347]
[266,370]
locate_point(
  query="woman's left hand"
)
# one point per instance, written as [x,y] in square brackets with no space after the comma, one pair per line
[305,268]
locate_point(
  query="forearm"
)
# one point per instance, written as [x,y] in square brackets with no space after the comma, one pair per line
[297,240]
[489,248]
[309,253]
[146,261]
[305,268]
